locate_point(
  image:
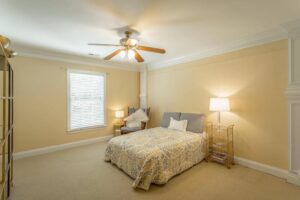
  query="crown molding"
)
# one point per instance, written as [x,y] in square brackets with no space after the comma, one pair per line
[76,59]
[284,31]
[293,28]
[271,36]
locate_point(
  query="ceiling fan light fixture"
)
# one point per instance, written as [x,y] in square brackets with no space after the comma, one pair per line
[122,53]
[133,42]
[131,54]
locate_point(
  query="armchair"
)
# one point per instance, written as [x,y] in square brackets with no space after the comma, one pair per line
[125,129]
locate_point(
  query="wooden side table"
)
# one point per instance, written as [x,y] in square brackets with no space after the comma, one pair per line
[220,146]
[117,129]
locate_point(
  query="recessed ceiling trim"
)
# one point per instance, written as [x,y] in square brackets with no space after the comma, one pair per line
[275,35]
[77,59]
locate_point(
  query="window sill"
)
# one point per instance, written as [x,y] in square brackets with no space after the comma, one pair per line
[86,129]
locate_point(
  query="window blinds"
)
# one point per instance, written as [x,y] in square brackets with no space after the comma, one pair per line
[86,100]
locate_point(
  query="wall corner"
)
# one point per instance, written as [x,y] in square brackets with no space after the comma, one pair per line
[144,87]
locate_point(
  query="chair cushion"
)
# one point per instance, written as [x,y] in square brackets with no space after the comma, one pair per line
[130,129]
[132,124]
[195,122]
[131,110]
[137,116]
[165,122]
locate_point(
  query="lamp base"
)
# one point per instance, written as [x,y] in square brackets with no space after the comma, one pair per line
[120,121]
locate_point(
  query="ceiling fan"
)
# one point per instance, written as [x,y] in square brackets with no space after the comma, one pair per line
[130,47]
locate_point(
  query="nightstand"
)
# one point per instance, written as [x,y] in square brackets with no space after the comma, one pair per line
[220,145]
[117,129]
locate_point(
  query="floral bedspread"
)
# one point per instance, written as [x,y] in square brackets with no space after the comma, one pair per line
[155,155]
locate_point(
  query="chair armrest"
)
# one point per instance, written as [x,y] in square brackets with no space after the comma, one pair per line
[143,125]
[124,124]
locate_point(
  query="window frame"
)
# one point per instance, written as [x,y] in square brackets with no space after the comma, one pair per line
[69,71]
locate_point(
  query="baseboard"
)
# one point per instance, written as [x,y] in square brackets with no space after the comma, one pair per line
[281,173]
[294,179]
[44,150]
[262,167]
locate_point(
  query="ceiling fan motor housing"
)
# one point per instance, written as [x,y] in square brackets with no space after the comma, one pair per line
[130,42]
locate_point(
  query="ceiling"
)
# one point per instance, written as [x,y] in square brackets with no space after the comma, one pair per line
[182,27]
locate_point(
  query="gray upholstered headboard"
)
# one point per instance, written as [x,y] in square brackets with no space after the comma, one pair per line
[195,120]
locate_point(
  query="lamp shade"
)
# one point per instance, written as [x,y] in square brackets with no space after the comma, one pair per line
[219,104]
[119,114]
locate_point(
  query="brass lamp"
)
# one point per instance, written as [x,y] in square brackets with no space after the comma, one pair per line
[220,105]
[4,43]
[119,115]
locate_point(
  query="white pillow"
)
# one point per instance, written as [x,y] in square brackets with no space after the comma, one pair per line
[129,118]
[178,125]
[138,116]
[133,124]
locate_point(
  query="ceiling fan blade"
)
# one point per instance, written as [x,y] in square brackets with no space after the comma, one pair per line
[151,49]
[97,44]
[138,56]
[112,54]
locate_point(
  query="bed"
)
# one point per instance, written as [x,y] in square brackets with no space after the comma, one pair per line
[156,155]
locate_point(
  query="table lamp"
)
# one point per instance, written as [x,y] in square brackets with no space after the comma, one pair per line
[119,115]
[220,105]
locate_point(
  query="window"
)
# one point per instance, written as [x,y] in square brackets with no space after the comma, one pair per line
[86,100]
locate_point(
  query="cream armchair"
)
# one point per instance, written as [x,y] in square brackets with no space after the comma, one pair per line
[125,129]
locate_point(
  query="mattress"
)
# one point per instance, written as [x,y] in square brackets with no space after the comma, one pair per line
[155,155]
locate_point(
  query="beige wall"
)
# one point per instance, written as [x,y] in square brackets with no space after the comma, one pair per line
[41,101]
[254,79]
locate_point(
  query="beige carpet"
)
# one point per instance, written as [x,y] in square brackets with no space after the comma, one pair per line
[81,173]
